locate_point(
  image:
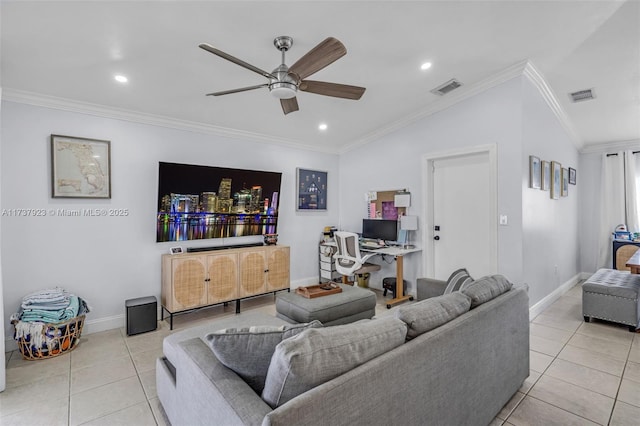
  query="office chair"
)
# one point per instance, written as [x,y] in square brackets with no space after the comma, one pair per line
[348,259]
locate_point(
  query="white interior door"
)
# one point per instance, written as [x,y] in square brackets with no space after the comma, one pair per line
[462,215]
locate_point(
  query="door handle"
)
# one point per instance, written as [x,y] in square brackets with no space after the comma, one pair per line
[437,237]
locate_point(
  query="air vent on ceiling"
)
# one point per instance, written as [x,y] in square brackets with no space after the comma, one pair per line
[582,95]
[447,87]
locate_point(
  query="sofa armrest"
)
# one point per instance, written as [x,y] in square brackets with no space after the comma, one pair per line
[210,392]
[429,287]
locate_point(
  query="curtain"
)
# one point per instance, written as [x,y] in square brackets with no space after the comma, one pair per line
[619,198]
[612,204]
[631,191]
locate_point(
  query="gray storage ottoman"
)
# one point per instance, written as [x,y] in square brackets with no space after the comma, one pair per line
[612,295]
[351,305]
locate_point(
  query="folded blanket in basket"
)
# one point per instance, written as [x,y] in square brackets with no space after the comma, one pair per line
[48,299]
[50,316]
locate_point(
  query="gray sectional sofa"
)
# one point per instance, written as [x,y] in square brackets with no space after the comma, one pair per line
[435,362]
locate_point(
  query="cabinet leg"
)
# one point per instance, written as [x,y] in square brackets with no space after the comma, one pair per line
[161,313]
[238,306]
[170,321]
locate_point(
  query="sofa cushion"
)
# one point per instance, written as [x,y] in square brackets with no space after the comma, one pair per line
[248,351]
[487,288]
[428,314]
[458,280]
[318,355]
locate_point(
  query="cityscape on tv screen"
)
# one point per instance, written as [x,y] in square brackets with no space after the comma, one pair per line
[200,202]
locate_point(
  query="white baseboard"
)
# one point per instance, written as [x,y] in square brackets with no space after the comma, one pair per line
[548,300]
[103,324]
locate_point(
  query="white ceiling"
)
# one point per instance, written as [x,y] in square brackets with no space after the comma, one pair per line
[68,52]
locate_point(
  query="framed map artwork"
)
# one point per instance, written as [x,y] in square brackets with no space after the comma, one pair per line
[80,168]
[311,190]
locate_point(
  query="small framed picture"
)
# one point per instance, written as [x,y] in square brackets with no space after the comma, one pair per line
[175,250]
[312,189]
[534,172]
[572,176]
[556,180]
[565,183]
[80,167]
[546,175]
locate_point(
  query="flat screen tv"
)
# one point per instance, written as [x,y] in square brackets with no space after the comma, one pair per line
[201,202]
[380,229]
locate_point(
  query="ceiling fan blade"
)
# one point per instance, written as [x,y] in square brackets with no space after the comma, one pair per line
[332,89]
[289,105]
[242,89]
[325,53]
[218,52]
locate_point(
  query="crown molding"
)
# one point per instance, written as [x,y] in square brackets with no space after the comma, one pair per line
[611,147]
[463,93]
[40,100]
[522,68]
[536,78]
[518,69]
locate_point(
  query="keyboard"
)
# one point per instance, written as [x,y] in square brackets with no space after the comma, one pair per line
[370,245]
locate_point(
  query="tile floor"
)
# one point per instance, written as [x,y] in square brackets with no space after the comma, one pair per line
[581,374]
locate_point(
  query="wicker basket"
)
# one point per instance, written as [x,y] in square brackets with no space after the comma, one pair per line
[60,339]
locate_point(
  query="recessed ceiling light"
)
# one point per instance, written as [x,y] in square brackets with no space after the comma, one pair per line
[425,66]
[121,78]
[322,126]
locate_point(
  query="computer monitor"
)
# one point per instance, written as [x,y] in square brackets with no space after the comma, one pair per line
[380,229]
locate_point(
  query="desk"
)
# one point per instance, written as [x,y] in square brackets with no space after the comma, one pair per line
[634,262]
[398,253]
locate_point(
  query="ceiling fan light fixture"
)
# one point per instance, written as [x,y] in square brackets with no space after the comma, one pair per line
[283,90]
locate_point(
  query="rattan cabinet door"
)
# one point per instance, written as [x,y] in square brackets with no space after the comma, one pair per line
[188,277]
[253,265]
[223,277]
[278,268]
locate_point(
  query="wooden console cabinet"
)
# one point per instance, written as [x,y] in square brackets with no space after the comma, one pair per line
[195,280]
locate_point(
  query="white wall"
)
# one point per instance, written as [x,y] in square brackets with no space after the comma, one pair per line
[394,162]
[110,259]
[515,118]
[107,260]
[549,227]
[2,321]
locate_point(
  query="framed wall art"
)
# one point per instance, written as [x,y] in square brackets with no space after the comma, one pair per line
[565,183]
[572,176]
[556,180]
[534,172]
[311,189]
[546,175]
[80,167]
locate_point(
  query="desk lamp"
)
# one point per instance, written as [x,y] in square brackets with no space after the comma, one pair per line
[408,223]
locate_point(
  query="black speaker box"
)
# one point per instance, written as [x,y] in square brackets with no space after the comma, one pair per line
[142,315]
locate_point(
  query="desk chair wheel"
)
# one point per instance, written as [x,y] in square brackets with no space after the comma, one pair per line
[388,306]
[410,298]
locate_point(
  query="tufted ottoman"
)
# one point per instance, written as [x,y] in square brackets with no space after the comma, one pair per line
[613,296]
[351,305]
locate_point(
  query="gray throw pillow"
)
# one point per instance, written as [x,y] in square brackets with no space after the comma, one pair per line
[318,355]
[487,288]
[248,351]
[458,280]
[428,314]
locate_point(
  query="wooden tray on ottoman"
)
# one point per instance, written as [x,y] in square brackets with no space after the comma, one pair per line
[318,290]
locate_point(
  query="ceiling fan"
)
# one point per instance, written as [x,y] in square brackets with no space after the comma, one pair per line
[284,82]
